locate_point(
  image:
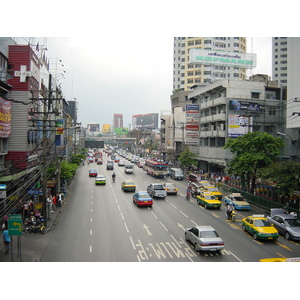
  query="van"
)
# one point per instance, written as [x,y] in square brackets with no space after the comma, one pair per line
[176,173]
[110,165]
[128,168]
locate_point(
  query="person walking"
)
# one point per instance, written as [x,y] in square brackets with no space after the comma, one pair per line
[6,240]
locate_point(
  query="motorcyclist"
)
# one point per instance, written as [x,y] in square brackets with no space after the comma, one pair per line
[188,193]
[230,208]
[113,177]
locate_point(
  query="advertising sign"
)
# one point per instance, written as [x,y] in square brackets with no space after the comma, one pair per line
[231,59]
[106,128]
[121,131]
[239,125]
[5,118]
[238,105]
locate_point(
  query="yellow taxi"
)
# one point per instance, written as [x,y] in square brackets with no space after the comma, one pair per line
[208,200]
[212,189]
[260,227]
[280,259]
[128,186]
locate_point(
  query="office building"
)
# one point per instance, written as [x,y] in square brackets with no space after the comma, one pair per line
[187,75]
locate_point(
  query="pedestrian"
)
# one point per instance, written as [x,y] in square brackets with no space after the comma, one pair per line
[59,200]
[6,240]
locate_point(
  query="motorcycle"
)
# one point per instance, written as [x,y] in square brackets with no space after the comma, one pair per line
[188,196]
[232,216]
[38,226]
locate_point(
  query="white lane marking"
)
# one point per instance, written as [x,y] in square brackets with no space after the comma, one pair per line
[126,227]
[234,256]
[183,214]
[91,232]
[91,249]
[163,226]
[173,205]
[132,242]
[154,215]
[91,219]
[122,216]
[194,222]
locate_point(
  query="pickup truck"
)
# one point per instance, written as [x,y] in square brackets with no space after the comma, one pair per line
[156,190]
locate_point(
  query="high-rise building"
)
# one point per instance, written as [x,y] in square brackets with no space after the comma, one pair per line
[280,60]
[118,121]
[186,75]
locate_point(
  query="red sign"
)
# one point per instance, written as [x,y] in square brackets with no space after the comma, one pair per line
[192,127]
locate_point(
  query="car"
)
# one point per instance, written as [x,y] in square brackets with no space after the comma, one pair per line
[237,201]
[208,200]
[213,190]
[280,259]
[128,186]
[129,168]
[100,180]
[170,188]
[196,189]
[90,160]
[99,162]
[204,238]
[117,159]
[287,225]
[121,163]
[204,183]
[93,172]
[141,163]
[259,227]
[156,190]
[110,165]
[142,199]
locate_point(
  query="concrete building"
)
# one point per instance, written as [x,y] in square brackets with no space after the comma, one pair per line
[186,75]
[230,108]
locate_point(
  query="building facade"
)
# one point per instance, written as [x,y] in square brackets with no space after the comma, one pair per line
[187,75]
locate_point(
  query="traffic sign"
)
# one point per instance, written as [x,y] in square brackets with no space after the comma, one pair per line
[15,225]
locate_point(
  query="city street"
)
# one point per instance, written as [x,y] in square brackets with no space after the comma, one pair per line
[101,224]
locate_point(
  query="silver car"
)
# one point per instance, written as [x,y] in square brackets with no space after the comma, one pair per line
[287,225]
[170,188]
[204,238]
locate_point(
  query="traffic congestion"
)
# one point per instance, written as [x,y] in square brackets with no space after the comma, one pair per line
[216,213]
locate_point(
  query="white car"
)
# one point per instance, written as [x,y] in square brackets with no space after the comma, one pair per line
[204,238]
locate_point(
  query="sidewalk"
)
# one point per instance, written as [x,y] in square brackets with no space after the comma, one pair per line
[32,245]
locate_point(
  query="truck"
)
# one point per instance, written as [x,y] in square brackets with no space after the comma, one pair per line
[156,190]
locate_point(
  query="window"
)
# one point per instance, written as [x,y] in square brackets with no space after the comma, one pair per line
[254,95]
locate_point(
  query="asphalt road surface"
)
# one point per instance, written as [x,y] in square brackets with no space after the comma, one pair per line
[101,224]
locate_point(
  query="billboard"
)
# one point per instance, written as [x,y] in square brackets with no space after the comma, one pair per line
[94,144]
[225,58]
[5,118]
[239,125]
[106,128]
[238,105]
[145,121]
[121,131]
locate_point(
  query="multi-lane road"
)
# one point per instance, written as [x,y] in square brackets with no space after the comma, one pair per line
[101,224]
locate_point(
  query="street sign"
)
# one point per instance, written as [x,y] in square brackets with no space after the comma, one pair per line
[15,225]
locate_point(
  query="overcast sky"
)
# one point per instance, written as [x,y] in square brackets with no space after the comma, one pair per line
[124,75]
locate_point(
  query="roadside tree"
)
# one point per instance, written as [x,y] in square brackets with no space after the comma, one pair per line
[252,151]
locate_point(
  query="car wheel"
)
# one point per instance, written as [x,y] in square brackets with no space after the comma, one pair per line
[244,227]
[186,238]
[287,235]
[255,236]
[196,247]
[205,206]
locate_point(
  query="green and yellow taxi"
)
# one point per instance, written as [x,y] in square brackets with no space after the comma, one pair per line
[208,200]
[260,227]
[128,186]
[100,180]
[212,189]
[280,259]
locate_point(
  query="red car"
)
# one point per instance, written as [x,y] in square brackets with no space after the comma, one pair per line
[93,173]
[142,199]
[99,162]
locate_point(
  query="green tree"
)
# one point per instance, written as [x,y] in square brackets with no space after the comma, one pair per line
[252,151]
[67,170]
[286,175]
[187,158]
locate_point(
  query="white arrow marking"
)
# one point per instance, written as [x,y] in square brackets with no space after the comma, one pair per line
[147,229]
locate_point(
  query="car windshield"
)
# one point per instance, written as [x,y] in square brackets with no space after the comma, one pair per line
[212,189]
[238,198]
[209,197]
[293,222]
[144,196]
[209,234]
[158,187]
[129,183]
[261,223]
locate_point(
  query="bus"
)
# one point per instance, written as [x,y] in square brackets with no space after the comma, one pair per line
[155,168]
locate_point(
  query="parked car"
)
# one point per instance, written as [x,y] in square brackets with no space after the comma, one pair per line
[237,200]
[204,238]
[170,188]
[287,225]
[93,172]
[128,186]
[260,227]
[142,199]
[156,190]
[100,180]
